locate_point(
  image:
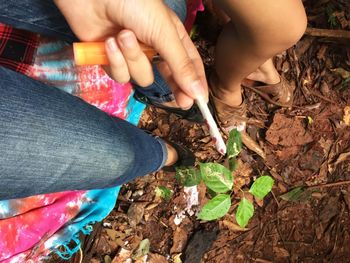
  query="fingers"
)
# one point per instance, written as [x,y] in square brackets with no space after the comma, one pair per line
[140,68]
[183,61]
[192,52]
[118,67]
[164,70]
[127,60]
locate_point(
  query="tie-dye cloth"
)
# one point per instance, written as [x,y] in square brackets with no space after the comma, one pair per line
[33,227]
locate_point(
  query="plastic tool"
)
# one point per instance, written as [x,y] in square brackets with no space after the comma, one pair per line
[94,53]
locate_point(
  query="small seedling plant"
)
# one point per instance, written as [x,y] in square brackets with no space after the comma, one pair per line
[220,184]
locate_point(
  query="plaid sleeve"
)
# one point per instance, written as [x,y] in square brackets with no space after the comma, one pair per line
[17,48]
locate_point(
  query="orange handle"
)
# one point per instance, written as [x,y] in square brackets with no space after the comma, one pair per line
[94,53]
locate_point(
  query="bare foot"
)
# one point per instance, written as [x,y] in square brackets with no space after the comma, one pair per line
[172,155]
[171,104]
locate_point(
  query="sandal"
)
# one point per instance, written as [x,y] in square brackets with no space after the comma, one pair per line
[279,94]
[192,114]
[229,117]
[185,157]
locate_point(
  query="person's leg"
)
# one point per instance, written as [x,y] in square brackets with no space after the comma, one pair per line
[42,17]
[51,141]
[257,31]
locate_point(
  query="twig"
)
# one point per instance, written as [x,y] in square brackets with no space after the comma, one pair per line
[80,255]
[261,233]
[322,97]
[279,232]
[317,32]
[274,196]
[329,185]
[337,231]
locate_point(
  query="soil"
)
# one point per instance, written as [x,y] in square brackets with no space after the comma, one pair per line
[307,146]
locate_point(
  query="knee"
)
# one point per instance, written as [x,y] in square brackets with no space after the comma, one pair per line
[110,162]
[281,35]
[292,31]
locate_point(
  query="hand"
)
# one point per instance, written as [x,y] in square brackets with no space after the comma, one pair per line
[121,23]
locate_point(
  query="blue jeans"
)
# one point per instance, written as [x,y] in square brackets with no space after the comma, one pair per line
[51,141]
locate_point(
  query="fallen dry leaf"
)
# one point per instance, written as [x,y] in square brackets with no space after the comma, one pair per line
[281,252]
[233,227]
[123,256]
[282,187]
[180,239]
[346,196]
[243,169]
[156,258]
[326,145]
[341,72]
[259,202]
[321,52]
[275,175]
[117,237]
[135,213]
[177,258]
[341,158]
[346,117]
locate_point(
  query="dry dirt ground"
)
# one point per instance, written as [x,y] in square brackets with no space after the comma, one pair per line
[307,146]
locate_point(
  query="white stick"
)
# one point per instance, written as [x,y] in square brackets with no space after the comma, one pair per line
[213,128]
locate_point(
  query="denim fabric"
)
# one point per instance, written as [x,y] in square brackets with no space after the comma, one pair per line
[51,141]
[43,17]
[159,91]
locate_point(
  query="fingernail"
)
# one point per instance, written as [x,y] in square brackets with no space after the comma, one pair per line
[111,44]
[187,107]
[128,40]
[197,88]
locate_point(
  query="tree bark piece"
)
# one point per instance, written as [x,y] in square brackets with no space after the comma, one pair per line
[317,32]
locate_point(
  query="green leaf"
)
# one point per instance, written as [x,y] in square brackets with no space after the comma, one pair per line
[244,212]
[163,192]
[295,195]
[232,163]
[262,186]
[216,177]
[188,176]
[234,143]
[215,208]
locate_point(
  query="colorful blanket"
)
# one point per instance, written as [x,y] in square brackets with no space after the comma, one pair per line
[33,227]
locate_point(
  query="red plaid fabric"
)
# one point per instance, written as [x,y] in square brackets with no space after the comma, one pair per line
[17,48]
